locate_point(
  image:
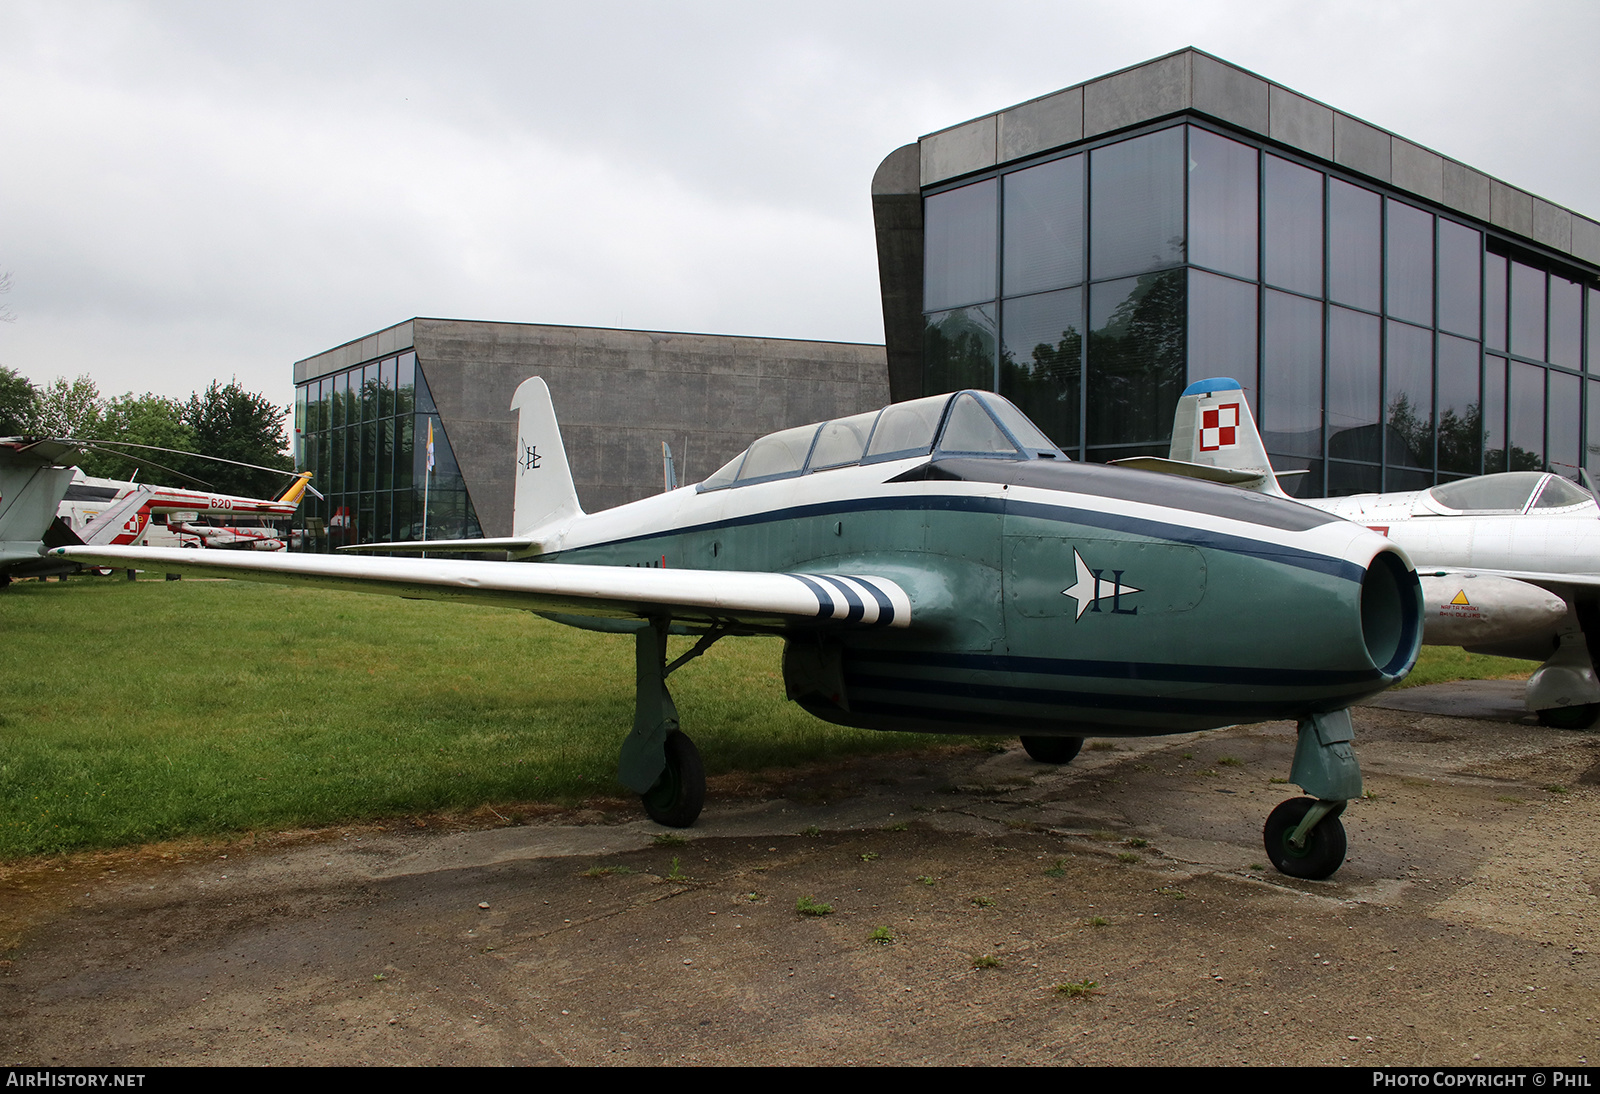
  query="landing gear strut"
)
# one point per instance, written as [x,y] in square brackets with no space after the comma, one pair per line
[659,762]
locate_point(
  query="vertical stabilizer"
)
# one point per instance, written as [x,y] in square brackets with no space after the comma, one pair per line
[545,495]
[1213,427]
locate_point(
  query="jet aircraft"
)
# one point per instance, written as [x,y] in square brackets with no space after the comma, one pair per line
[940,566]
[1509,563]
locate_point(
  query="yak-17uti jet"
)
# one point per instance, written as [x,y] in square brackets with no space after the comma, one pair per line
[939,566]
[1509,563]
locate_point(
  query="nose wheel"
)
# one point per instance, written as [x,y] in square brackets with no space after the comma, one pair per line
[1305,838]
[1052,750]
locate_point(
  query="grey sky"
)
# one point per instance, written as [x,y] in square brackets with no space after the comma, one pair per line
[192,191]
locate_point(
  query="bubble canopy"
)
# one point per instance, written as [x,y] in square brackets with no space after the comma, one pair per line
[966,423]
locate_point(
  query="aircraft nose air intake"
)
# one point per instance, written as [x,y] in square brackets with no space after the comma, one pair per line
[1391,613]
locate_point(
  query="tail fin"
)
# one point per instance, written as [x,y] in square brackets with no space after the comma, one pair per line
[29,496]
[545,494]
[296,490]
[1213,427]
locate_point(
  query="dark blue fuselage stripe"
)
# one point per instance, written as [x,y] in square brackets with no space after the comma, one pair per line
[857,609]
[1049,697]
[824,601]
[1063,514]
[991,664]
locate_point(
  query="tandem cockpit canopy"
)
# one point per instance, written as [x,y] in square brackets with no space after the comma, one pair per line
[966,423]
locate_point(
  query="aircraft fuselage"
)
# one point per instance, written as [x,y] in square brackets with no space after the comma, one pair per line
[1052,597]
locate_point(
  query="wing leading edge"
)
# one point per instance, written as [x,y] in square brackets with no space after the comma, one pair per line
[619,592]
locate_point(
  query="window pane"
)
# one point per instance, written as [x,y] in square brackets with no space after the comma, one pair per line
[1293,217]
[1223,212]
[1593,363]
[1494,415]
[1136,204]
[1460,421]
[1044,227]
[1591,415]
[1566,412]
[1041,363]
[958,349]
[1410,263]
[1527,311]
[1136,367]
[1355,233]
[1525,417]
[1566,322]
[1494,301]
[1222,328]
[1291,375]
[1355,394]
[959,246]
[1409,403]
[1460,282]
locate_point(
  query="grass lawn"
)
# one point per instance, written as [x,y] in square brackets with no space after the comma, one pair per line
[151,710]
[148,710]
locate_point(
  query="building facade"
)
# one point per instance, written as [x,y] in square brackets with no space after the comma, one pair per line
[365,412]
[1396,317]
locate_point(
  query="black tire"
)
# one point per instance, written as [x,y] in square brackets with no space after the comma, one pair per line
[1053,750]
[678,795]
[1325,845]
[1579,717]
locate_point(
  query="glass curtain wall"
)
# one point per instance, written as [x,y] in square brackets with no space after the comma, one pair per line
[1382,346]
[363,434]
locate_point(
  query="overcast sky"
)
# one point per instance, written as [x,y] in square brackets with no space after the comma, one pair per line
[192,191]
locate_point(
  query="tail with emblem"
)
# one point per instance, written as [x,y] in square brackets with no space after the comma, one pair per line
[1214,437]
[545,497]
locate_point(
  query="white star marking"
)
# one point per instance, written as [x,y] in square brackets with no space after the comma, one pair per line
[1087,589]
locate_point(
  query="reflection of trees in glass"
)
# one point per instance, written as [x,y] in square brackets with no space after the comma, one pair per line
[958,351]
[1413,430]
[1460,439]
[1136,363]
[1046,386]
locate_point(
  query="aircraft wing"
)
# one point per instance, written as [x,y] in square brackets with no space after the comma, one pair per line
[619,592]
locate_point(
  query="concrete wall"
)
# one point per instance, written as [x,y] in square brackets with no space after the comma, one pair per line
[618,394]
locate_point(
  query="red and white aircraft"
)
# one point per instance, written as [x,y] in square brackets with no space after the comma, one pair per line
[135,510]
[1509,563]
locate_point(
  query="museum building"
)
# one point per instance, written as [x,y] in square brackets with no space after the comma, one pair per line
[1396,317]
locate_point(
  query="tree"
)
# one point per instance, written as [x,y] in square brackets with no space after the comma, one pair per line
[69,409]
[153,420]
[19,403]
[235,424]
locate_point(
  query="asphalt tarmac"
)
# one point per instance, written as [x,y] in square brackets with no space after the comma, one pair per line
[981,909]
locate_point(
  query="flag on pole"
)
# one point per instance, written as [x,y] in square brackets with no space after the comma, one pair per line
[430,444]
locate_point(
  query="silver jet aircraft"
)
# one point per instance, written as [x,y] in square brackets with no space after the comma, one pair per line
[939,566]
[1509,563]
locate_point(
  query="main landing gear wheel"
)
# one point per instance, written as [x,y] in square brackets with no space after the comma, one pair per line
[1052,750]
[1581,716]
[1323,851]
[678,795]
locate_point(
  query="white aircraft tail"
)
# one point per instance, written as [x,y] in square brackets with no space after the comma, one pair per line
[545,494]
[1213,428]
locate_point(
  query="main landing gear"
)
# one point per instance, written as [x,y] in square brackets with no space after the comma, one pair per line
[659,762]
